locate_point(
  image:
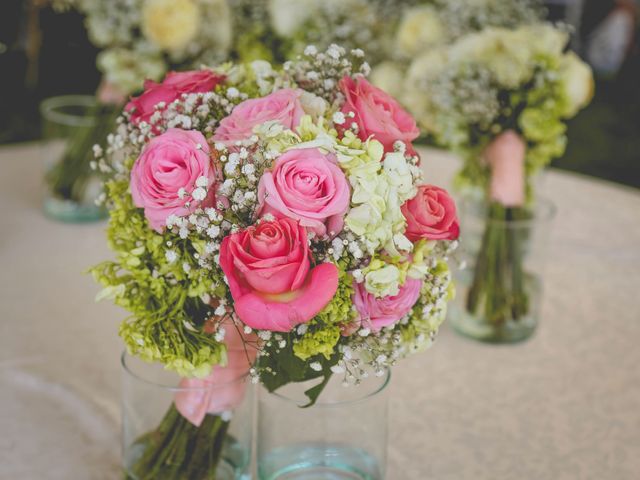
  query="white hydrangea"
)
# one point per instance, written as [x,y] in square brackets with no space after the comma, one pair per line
[383,282]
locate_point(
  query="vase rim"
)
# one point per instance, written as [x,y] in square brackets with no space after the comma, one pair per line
[170,387]
[341,403]
[50,109]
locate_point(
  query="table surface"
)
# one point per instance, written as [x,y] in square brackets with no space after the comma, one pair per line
[564,405]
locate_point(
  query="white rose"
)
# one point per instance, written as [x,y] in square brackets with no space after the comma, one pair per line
[288,16]
[420,29]
[577,79]
[170,24]
[545,38]
[506,53]
[415,95]
[389,77]
[428,65]
[219,24]
[127,69]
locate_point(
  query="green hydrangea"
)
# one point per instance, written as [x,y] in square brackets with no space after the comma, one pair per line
[163,294]
[320,342]
[323,331]
[417,333]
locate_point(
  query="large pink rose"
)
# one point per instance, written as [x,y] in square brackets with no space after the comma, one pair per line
[306,185]
[431,215]
[377,114]
[224,389]
[164,176]
[376,313]
[268,268]
[172,87]
[282,106]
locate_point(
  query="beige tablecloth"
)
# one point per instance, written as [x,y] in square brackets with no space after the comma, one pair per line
[564,405]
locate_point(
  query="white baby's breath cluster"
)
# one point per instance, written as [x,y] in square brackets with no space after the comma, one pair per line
[320,71]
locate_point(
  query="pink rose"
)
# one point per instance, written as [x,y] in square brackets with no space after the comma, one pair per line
[431,215]
[282,106]
[376,313]
[170,163]
[224,389]
[377,114]
[306,185]
[268,268]
[172,87]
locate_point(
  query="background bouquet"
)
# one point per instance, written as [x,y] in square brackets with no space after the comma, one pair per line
[500,98]
[144,39]
[273,222]
[368,24]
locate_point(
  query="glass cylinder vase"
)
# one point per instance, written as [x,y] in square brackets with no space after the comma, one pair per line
[72,125]
[499,291]
[342,436]
[177,429]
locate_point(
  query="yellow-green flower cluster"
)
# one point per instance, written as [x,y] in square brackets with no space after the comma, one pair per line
[164,293]
[430,311]
[322,334]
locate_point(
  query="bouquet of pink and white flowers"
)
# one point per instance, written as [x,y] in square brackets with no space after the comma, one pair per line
[274,223]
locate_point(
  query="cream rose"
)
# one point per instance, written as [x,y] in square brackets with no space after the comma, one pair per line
[577,79]
[288,16]
[420,29]
[389,77]
[170,24]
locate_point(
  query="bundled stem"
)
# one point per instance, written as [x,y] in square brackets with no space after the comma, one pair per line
[498,291]
[178,450]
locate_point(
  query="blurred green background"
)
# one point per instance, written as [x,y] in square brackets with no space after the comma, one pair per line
[44,53]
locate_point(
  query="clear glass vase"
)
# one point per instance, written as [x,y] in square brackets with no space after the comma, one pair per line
[499,291]
[164,437]
[72,125]
[342,436]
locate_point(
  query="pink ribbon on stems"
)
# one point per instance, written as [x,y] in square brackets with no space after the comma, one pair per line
[224,388]
[110,94]
[505,155]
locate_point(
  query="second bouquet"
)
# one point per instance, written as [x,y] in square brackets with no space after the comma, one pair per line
[270,226]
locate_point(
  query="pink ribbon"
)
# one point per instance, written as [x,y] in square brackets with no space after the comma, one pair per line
[505,155]
[109,94]
[224,389]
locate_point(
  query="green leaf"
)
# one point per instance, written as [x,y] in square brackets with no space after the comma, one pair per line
[314,392]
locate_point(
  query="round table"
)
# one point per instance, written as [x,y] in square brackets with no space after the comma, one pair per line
[563,405]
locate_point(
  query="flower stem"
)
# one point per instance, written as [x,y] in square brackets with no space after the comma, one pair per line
[178,450]
[498,292]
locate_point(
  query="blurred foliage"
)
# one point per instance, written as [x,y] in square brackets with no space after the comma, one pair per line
[43,53]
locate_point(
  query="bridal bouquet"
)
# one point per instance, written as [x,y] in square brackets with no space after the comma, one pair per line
[274,223]
[500,98]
